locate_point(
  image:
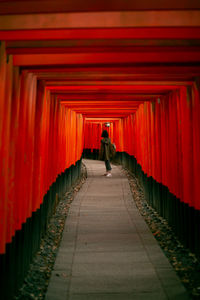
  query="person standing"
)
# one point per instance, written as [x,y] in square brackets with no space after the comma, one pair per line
[104,153]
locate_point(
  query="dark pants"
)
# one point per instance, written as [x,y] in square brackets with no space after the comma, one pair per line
[108,167]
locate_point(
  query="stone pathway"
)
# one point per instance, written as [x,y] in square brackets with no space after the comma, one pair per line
[107,250]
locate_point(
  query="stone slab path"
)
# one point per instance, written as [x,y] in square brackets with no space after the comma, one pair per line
[107,250]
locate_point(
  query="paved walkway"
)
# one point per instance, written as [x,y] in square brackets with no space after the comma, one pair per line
[107,251]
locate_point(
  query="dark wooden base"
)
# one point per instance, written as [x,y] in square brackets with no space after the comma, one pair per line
[15,262]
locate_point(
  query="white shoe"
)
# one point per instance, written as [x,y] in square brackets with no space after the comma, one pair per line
[109,175]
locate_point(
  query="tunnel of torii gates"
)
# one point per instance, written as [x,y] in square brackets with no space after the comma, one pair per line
[66,69]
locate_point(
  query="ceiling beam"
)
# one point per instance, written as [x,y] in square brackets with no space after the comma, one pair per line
[106,58]
[162,18]
[48,6]
[148,33]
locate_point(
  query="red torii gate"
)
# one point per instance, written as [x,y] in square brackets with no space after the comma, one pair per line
[65,67]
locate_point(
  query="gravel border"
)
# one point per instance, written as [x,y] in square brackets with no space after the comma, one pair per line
[185,263]
[37,279]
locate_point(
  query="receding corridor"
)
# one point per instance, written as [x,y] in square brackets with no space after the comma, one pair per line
[114,80]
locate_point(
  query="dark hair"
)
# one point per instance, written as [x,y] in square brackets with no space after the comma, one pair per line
[105,134]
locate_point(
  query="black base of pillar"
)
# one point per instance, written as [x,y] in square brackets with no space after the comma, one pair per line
[91,154]
[15,262]
[184,220]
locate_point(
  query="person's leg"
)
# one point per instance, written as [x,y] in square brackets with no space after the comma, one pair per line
[108,168]
[106,164]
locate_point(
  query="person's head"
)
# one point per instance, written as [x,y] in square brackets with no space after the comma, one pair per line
[105,134]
